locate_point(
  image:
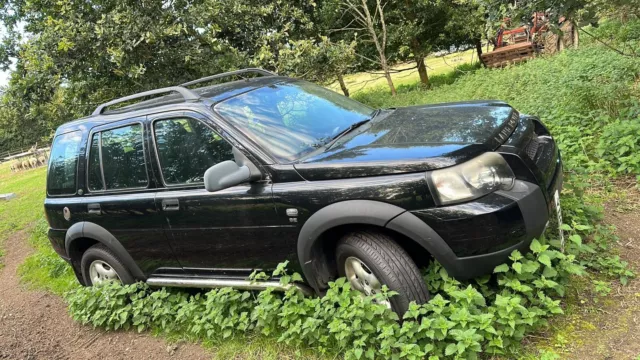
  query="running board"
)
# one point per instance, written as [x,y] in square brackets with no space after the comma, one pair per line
[222,283]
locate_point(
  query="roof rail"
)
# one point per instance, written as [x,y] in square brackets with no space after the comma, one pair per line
[230,73]
[187,94]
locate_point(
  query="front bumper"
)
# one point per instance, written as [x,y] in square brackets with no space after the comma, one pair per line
[481,234]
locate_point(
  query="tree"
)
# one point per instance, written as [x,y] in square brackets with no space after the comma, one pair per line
[419,26]
[320,61]
[81,54]
[375,28]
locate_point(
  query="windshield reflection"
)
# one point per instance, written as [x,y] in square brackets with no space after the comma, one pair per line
[292,119]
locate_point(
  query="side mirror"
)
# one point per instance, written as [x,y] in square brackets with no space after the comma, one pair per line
[224,175]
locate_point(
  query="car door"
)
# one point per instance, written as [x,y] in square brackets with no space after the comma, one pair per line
[234,228]
[120,194]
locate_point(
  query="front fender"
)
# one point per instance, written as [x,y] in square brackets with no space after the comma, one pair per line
[370,213]
[342,213]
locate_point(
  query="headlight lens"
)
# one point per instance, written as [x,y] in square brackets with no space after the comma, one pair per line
[470,180]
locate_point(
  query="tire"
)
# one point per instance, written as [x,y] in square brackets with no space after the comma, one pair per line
[101,253]
[390,264]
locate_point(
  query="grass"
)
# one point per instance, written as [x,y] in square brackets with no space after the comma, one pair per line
[44,269]
[439,69]
[20,212]
[259,347]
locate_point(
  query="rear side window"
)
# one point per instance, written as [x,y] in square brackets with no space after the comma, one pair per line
[187,148]
[63,164]
[116,159]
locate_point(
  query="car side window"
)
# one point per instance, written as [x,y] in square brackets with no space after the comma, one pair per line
[63,164]
[187,148]
[116,159]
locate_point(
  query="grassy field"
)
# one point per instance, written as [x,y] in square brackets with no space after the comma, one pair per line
[436,68]
[22,211]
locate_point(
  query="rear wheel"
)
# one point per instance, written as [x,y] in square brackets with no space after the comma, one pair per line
[99,264]
[370,259]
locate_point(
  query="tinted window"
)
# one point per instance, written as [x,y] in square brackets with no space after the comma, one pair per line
[187,148]
[63,164]
[292,119]
[123,158]
[95,173]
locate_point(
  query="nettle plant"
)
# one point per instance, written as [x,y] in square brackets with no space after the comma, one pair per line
[491,314]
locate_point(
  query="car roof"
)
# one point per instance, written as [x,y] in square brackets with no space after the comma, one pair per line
[210,94]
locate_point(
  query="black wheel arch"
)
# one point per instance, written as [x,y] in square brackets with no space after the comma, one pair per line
[83,235]
[315,263]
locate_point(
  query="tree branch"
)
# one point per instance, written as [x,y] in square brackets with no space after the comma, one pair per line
[609,46]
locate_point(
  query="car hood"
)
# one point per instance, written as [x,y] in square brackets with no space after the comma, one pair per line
[415,138]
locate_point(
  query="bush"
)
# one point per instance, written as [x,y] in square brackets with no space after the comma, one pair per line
[461,320]
[619,147]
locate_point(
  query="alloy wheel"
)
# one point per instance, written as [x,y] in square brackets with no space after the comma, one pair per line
[362,278]
[100,271]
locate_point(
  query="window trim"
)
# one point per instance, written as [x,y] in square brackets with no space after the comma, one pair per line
[104,183]
[77,169]
[178,115]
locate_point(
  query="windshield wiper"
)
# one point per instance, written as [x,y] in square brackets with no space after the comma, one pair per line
[344,132]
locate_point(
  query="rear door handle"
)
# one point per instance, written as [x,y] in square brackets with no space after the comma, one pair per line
[94,209]
[170,205]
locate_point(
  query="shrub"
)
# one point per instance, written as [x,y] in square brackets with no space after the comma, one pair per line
[460,320]
[619,147]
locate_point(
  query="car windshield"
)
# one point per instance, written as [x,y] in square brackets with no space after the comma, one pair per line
[292,119]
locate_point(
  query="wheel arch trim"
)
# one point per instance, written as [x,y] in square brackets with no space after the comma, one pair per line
[417,230]
[96,232]
[367,212]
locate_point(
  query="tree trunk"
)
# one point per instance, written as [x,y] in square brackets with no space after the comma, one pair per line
[381,44]
[479,51]
[417,55]
[387,74]
[576,35]
[422,71]
[343,86]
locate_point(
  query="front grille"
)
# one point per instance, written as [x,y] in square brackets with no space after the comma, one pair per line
[532,148]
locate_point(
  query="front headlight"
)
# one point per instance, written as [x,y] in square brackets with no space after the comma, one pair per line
[470,180]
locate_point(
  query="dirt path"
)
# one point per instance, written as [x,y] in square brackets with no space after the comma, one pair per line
[36,325]
[610,328]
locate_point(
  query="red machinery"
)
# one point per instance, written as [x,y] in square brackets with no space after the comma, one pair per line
[518,44]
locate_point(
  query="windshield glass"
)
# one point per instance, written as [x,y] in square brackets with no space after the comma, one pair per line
[292,119]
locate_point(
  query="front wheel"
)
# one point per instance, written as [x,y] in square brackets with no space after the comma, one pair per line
[371,259]
[99,264]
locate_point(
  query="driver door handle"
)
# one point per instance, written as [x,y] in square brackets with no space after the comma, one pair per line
[170,205]
[94,209]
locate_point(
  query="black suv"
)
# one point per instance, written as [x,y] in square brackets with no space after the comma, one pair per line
[200,187]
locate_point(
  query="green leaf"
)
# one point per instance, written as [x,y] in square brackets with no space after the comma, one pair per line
[565,227]
[451,349]
[544,259]
[501,268]
[535,246]
[575,238]
[549,272]
[517,267]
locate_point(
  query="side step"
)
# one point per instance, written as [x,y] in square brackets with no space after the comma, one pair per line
[221,283]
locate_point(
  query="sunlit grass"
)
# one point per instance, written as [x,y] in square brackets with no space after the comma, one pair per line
[18,213]
[364,81]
